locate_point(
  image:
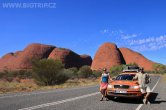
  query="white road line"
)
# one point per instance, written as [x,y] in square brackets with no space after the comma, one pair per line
[58,102]
[36,93]
[140,105]
[26,94]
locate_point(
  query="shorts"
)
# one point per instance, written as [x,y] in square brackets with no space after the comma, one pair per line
[145,89]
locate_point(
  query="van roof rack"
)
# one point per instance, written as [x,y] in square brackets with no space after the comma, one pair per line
[131,69]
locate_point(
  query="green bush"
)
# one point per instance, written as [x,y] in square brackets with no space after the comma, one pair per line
[74,72]
[85,72]
[22,74]
[149,71]
[132,64]
[115,70]
[159,68]
[2,74]
[49,72]
[63,76]
[97,73]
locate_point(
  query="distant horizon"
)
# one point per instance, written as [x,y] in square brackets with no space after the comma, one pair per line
[84,25]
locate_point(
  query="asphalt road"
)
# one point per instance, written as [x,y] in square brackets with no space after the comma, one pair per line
[81,98]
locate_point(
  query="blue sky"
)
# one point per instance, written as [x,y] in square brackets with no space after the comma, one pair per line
[83,25]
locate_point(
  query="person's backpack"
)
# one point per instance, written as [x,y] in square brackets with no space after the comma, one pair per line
[147,79]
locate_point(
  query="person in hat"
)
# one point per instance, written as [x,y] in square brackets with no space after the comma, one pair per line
[105,77]
[143,80]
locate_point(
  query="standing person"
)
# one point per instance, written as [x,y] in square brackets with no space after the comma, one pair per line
[143,80]
[104,83]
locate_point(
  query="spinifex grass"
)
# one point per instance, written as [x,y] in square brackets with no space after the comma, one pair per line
[29,85]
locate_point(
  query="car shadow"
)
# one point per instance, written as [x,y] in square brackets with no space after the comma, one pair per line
[127,100]
[152,100]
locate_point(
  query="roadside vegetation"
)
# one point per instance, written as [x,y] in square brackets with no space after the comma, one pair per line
[28,85]
[115,70]
[157,69]
[47,74]
[51,74]
[164,77]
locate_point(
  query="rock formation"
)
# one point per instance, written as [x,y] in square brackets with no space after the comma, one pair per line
[70,58]
[131,56]
[107,56]
[86,60]
[23,59]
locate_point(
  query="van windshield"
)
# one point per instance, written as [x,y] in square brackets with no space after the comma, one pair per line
[125,77]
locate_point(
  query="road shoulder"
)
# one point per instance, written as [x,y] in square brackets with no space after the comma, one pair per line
[158,97]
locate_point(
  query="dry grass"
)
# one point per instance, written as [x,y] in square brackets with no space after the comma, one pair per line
[73,83]
[27,86]
[7,87]
[164,77]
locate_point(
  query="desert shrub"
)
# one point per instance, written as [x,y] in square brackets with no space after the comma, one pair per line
[7,75]
[73,73]
[22,74]
[97,73]
[49,72]
[2,75]
[115,70]
[85,72]
[149,71]
[132,64]
[10,75]
[159,68]
[63,76]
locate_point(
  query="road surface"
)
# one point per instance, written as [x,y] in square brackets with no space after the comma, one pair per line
[81,98]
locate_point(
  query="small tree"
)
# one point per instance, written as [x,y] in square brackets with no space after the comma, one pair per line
[132,64]
[97,73]
[159,68]
[49,72]
[74,72]
[115,70]
[85,72]
[63,76]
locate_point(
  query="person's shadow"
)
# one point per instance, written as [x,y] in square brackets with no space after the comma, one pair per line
[153,97]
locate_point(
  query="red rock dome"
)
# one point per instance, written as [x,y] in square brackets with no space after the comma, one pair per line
[70,58]
[23,59]
[107,55]
[131,56]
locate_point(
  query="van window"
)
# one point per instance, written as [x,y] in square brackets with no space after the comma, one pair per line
[125,77]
